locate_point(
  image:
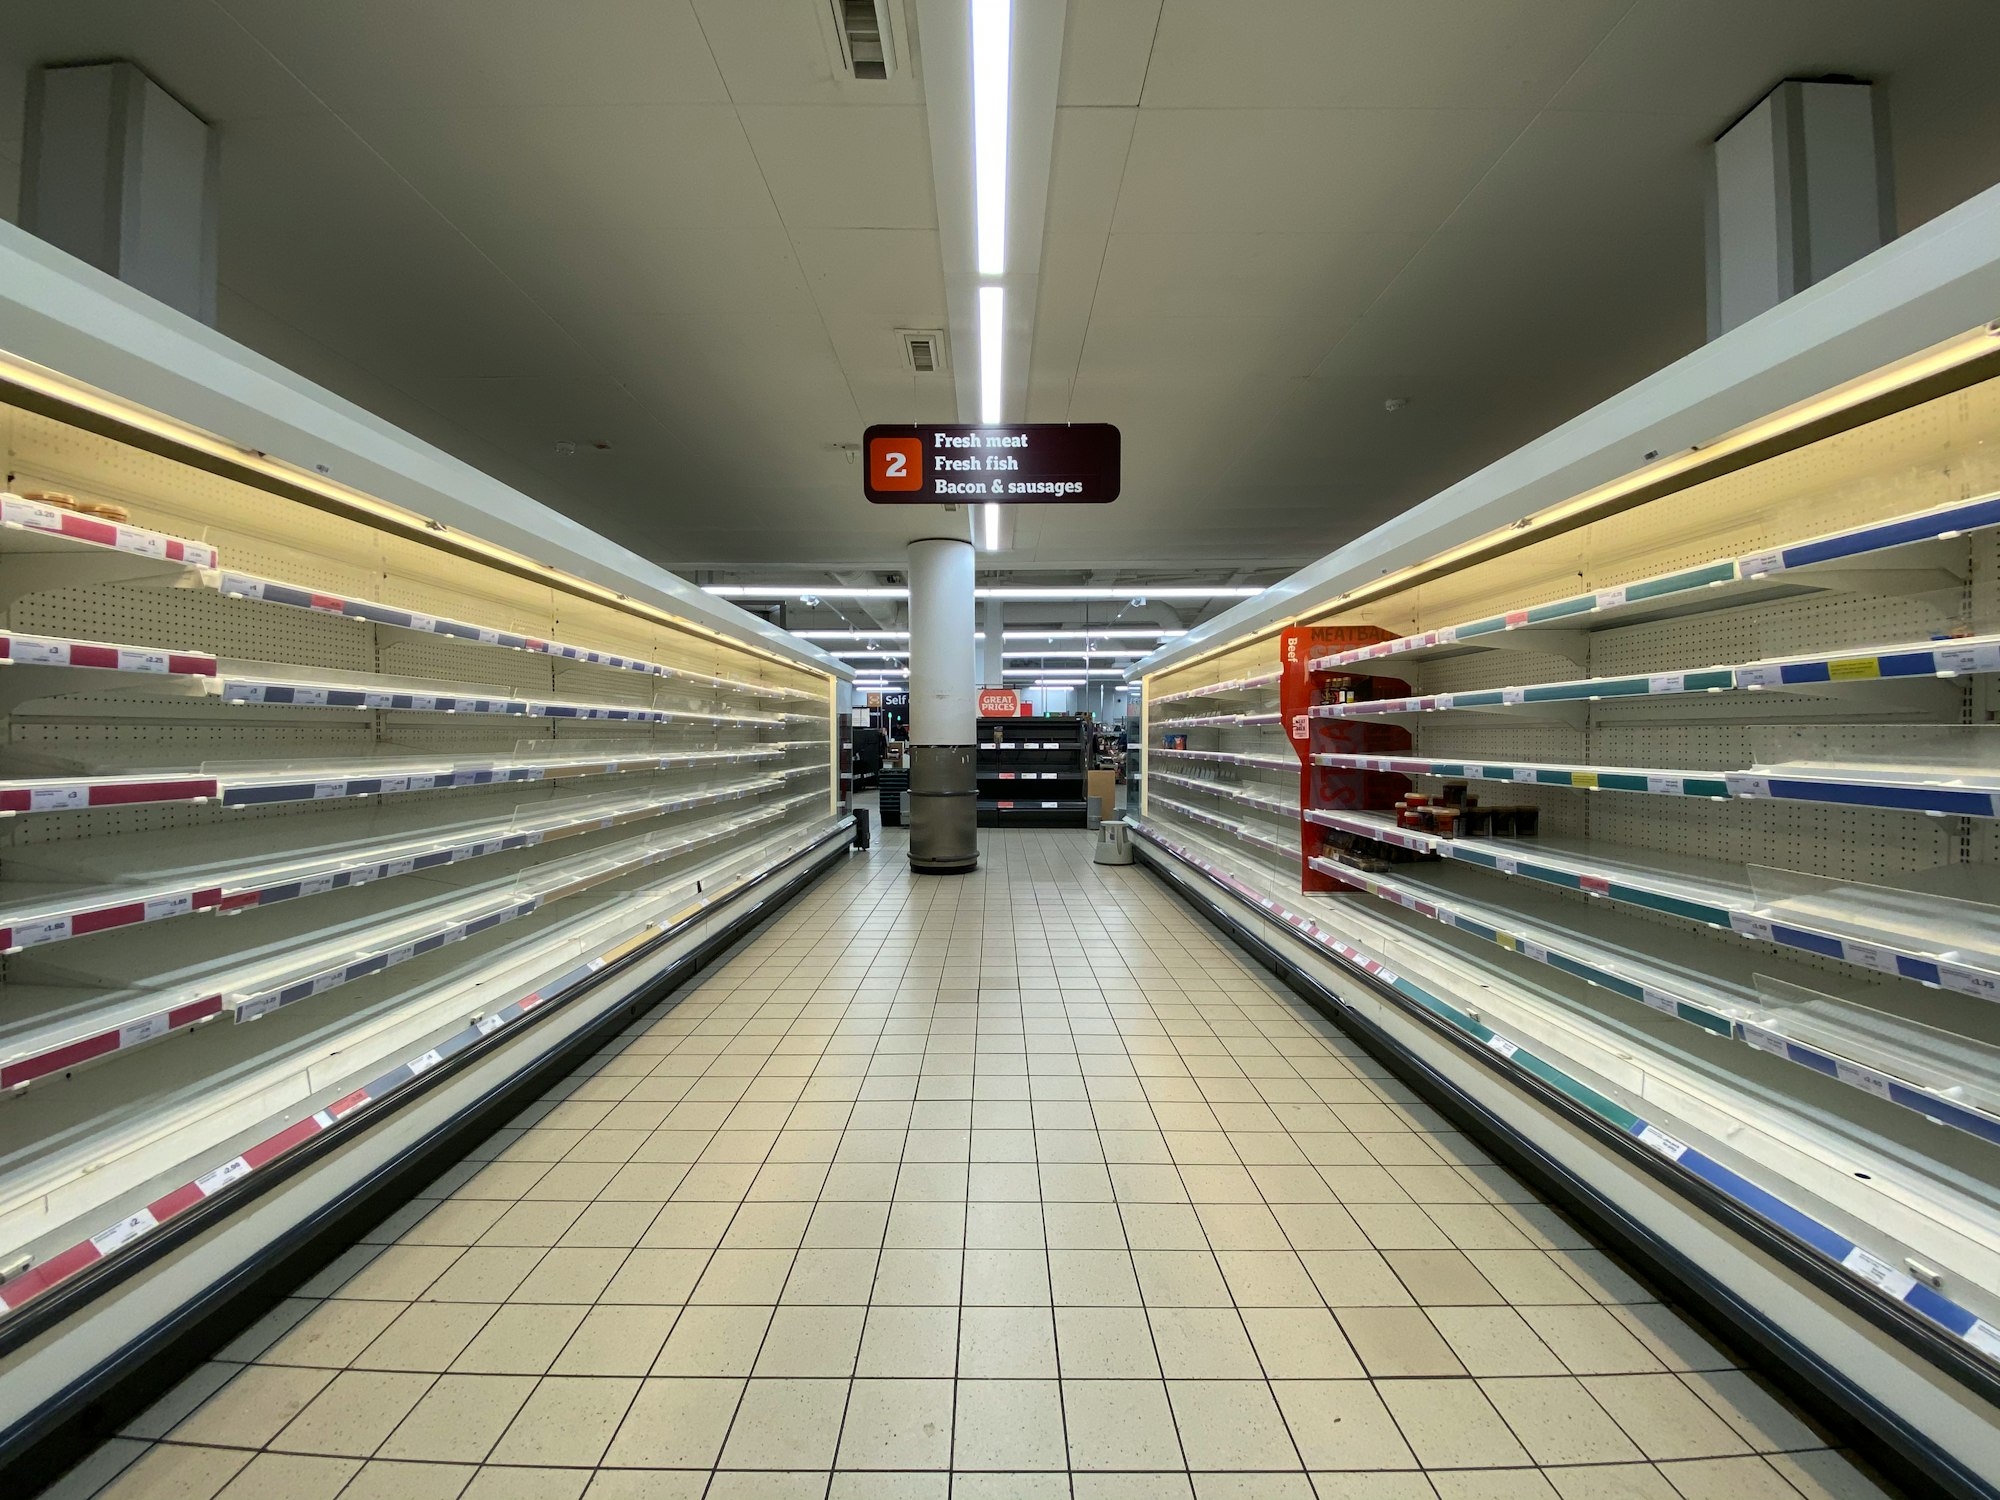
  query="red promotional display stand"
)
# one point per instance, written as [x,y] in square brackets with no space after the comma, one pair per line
[1300,690]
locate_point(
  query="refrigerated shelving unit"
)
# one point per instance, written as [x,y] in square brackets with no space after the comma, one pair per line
[327,816]
[1736,996]
[1031,772]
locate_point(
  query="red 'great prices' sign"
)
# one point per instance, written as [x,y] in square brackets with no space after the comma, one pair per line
[999,703]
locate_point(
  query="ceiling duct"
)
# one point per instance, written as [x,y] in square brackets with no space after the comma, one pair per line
[865,45]
[924,350]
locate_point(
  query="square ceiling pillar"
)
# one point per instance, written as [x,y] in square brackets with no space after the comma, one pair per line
[1799,188]
[121,174]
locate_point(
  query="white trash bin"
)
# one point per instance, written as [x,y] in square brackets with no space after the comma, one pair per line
[1114,844]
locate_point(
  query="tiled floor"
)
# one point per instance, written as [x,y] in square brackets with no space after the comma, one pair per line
[1012,1185]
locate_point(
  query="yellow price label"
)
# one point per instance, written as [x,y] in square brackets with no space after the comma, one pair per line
[1583,778]
[1507,941]
[1848,668]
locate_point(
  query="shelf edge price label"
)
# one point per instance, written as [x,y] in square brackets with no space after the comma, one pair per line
[1033,463]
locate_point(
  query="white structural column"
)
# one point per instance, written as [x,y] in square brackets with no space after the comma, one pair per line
[1801,188]
[992,658]
[943,799]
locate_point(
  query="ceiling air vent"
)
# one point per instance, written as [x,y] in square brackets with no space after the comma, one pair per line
[865,47]
[924,350]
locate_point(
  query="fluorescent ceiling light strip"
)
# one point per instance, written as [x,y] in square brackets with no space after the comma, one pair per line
[992,49]
[1042,672]
[992,345]
[992,527]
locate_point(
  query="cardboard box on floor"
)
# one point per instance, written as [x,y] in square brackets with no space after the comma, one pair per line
[1103,785]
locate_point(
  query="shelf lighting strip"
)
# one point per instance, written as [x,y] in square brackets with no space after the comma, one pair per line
[41,1278]
[1862,1264]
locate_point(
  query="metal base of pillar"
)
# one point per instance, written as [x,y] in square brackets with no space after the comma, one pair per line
[943,805]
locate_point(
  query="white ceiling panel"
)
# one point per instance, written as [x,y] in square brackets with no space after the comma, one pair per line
[1372,54]
[853,167]
[321,239]
[1106,47]
[1378,170]
[1318,280]
[781,52]
[487,54]
[595,169]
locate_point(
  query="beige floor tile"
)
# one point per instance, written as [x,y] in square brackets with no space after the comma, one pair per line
[1672,1339]
[688,1226]
[1105,1343]
[917,1277]
[831,1276]
[1442,1278]
[1094,1278]
[1067,1226]
[1397,1342]
[1388,1485]
[1603,1276]
[252,1408]
[847,1226]
[172,1471]
[1230,1424]
[455,1222]
[532,1223]
[1298,1343]
[910,1342]
[425,1336]
[897,1424]
[1203,1343]
[1492,1484]
[356,1411]
[568,1420]
[332,1334]
[786,1424]
[1826,1475]
[616,1339]
[714,1341]
[1528,1277]
[657,1275]
[1180,1278]
[647,1484]
[459,1419]
[1013,1426]
[1354,1278]
[675,1423]
[1119,1424]
[1162,1226]
[1006,1343]
[744,1276]
[519,1340]
[526,1483]
[1590,1341]
[1558,1421]
[812,1341]
[1665,1418]
[400,1273]
[1761,1417]
[1451,1425]
[570,1275]
[485,1273]
[1494,1341]
[614,1225]
[1268,1278]
[1611,1482]
[1341,1425]
[382,1479]
[1728,1479]
[96,1469]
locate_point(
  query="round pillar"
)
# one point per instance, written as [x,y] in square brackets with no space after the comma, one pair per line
[944,787]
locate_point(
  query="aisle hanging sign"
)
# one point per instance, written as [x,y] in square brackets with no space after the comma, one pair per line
[1033,463]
